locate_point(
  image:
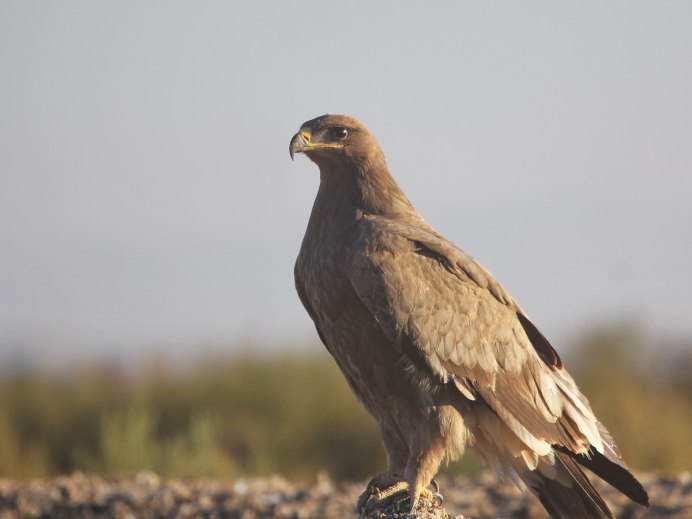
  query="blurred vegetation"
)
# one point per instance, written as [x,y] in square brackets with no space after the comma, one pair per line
[293,414]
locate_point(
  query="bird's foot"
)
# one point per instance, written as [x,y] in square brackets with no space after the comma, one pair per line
[381,481]
[387,491]
[427,496]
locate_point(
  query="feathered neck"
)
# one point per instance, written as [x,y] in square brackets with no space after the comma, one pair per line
[363,185]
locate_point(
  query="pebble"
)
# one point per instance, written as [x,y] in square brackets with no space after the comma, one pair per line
[149,496]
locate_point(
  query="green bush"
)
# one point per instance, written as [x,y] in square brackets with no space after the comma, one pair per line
[293,414]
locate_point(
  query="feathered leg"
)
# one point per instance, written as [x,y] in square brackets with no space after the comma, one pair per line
[427,452]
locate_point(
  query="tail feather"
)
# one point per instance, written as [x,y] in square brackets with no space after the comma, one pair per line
[580,499]
[613,472]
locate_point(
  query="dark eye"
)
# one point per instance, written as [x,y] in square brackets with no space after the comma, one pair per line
[339,133]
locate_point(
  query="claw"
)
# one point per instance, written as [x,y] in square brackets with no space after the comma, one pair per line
[436,493]
[414,505]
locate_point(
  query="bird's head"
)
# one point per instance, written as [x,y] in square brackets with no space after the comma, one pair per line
[335,139]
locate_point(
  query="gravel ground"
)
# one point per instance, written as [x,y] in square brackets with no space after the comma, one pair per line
[148,496]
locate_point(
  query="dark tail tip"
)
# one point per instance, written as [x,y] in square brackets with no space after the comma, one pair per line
[614,474]
[580,499]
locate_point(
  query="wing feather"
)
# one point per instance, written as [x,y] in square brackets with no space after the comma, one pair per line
[449,315]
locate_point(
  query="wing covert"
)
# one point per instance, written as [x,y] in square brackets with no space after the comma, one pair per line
[452,319]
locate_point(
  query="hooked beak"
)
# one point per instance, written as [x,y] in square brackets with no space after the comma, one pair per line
[304,141]
[300,142]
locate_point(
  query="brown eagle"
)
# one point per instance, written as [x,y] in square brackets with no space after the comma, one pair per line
[433,346]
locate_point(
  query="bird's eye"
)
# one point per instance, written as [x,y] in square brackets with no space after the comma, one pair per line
[339,133]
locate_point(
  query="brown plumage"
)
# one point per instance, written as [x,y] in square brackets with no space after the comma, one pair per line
[432,345]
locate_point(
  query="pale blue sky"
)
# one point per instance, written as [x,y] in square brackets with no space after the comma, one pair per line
[147,199]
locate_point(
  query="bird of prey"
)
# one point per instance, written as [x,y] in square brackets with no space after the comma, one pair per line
[433,346]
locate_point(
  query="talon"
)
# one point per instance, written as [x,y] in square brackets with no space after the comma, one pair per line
[436,493]
[414,504]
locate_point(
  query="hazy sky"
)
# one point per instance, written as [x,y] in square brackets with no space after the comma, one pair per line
[148,202]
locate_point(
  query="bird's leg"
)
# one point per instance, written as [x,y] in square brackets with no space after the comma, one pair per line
[421,468]
[409,474]
[385,485]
